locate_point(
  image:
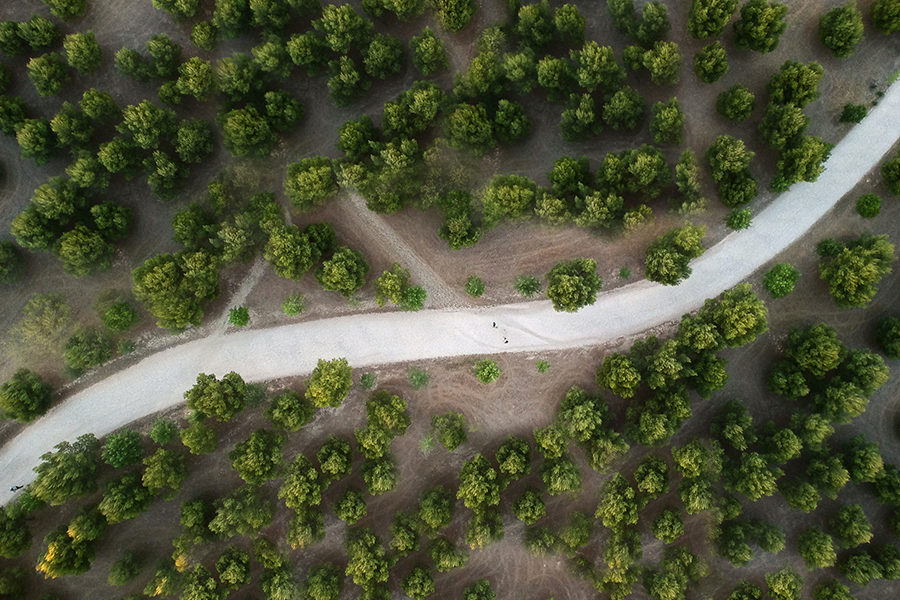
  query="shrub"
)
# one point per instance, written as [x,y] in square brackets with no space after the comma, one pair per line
[853,113]
[293,305]
[528,285]
[868,206]
[119,316]
[418,378]
[780,279]
[25,396]
[487,371]
[474,286]
[163,431]
[739,218]
[239,317]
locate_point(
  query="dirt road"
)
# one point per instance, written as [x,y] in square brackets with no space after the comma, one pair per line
[159,381]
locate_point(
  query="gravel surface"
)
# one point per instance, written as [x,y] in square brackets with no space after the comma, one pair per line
[158,382]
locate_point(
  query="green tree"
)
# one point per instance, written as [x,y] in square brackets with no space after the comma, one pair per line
[736,103]
[429,55]
[199,438]
[436,509]
[450,429]
[781,279]
[125,498]
[163,431]
[454,15]
[36,140]
[310,182]
[124,569]
[25,396]
[147,123]
[514,458]
[122,449]
[668,526]
[885,16]
[345,272]
[324,582]
[760,26]
[851,527]
[290,411]
[164,468]
[663,61]
[474,286]
[329,383]
[841,29]
[529,507]
[868,206]
[625,109]
[82,52]
[707,18]
[48,73]
[243,512]
[560,476]
[247,132]
[193,140]
[350,507]
[259,458]
[335,458]
[802,161]
[487,371]
[478,485]
[711,62]
[85,349]
[816,549]
[852,276]
[888,336]
[67,9]
[302,487]
[667,258]
[383,57]
[64,556]
[380,475]
[784,584]
[667,123]
[573,284]
[367,563]
[795,83]
[219,399]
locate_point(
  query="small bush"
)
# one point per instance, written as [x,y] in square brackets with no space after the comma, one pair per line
[781,279]
[367,381]
[543,366]
[119,316]
[624,273]
[528,285]
[487,371]
[829,247]
[124,570]
[474,286]
[239,317]
[293,305]
[853,113]
[450,429]
[739,218]
[868,206]
[163,431]
[418,378]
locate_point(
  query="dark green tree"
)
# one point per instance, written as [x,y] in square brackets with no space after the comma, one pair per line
[841,29]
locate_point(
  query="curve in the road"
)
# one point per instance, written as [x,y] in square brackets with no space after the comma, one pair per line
[157,382]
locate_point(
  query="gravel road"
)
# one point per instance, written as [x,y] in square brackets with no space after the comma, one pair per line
[158,382]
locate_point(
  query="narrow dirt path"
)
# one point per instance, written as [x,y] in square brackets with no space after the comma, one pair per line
[440,294]
[157,382]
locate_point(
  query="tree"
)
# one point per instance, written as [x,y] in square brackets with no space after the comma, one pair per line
[868,206]
[436,509]
[219,399]
[888,336]
[781,279]
[82,52]
[124,569]
[802,161]
[760,26]
[851,527]
[886,16]
[199,438]
[15,537]
[164,468]
[147,123]
[663,61]
[618,505]
[163,431]
[350,507]
[795,83]
[383,56]
[861,568]
[12,114]
[83,251]
[711,62]
[25,396]
[784,584]
[596,68]
[832,590]
[71,126]
[367,563]
[247,132]
[243,512]
[48,73]
[841,29]
[125,498]
[454,15]
[67,9]
[310,182]
[852,275]
[668,526]
[625,109]
[64,556]
[478,485]
[480,590]
[418,584]
[345,272]
[468,126]
[487,371]
[445,556]
[450,429]
[890,173]
[708,18]
[290,411]
[429,55]
[329,383]
[514,458]
[380,475]
[736,103]
[573,284]
[560,475]
[259,458]
[122,449]
[343,27]
[335,459]
[193,140]
[36,140]
[816,549]
[667,258]
[667,123]
[233,567]
[324,582]
[404,533]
